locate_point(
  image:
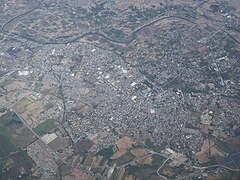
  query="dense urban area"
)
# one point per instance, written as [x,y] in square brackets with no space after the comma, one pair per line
[119,89]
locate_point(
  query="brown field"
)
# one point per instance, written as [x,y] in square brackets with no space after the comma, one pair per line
[36,106]
[121,174]
[215,152]
[205,128]
[118,154]
[168,172]
[147,160]
[88,160]
[27,119]
[123,144]
[129,177]
[203,155]
[59,144]
[28,110]
[21,105]
[79,174]
[214,177]
[16,85]
[139,152]
[83,108]
[97,160]
[48,89]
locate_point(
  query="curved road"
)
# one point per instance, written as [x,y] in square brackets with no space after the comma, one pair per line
[128,39]
[161,168]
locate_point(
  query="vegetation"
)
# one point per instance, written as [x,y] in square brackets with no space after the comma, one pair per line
[125,158]
[161,147]
[6,82]
[229,45]
[7,118]
[222,145]
[143,171]
[149,143]
[44,127]
[197,116]
[6,145]
[212,161]
[235,174]
[158,160]
[21,161]
[49,105]
[106,152]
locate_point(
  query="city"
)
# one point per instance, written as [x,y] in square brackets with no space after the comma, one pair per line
[120,90]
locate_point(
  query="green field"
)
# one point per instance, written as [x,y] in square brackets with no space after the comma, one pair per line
[6,82]
[161,147]
[106,152]
[44,127]
[197,116]
[149,143]
[125,158]
[7,118]
[143,171]
[6,145]
[222,145]
[158,160]
[21,162]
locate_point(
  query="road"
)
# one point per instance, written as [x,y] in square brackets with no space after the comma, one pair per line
[161,168]
[126,40]
[81,166]
[214,166]
[150,153]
